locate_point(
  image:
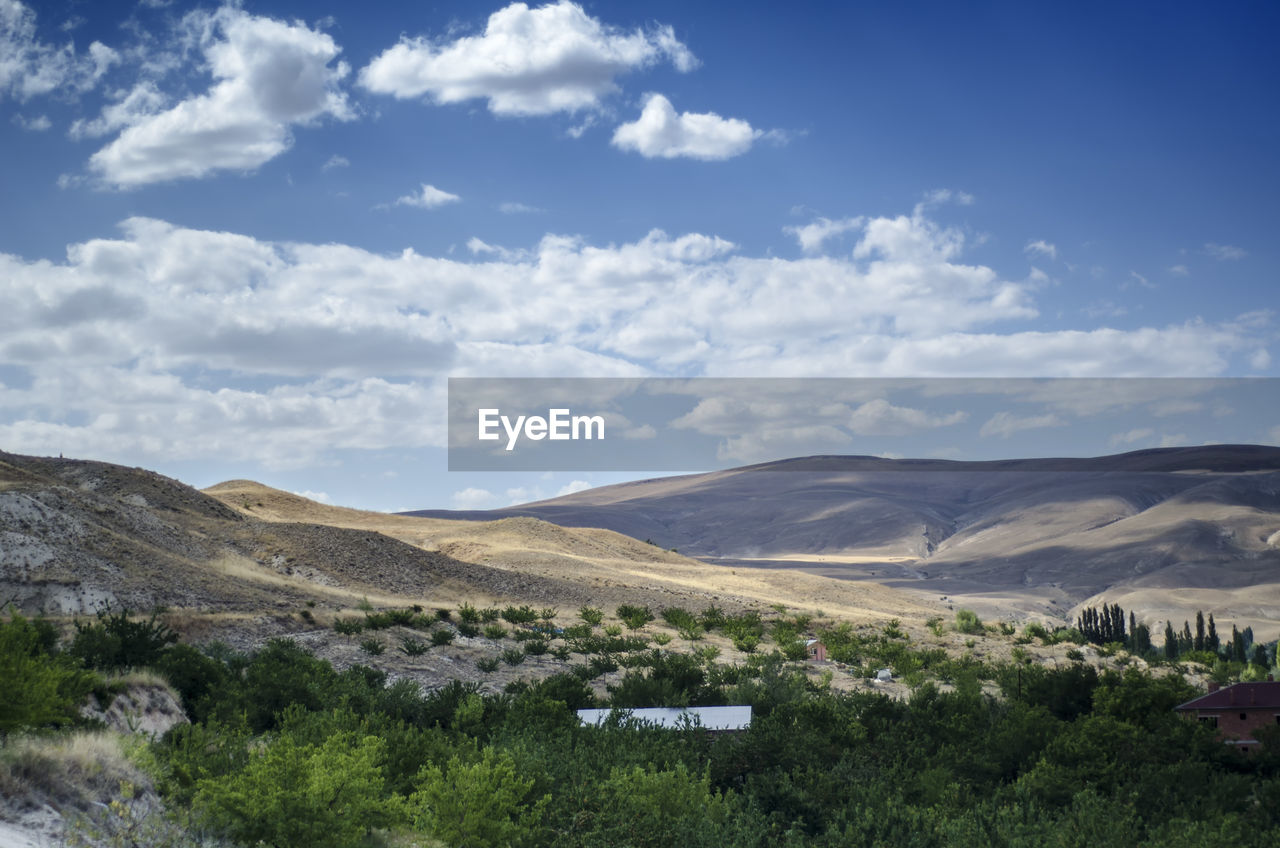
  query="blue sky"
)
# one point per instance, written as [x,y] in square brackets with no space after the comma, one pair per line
[254,240]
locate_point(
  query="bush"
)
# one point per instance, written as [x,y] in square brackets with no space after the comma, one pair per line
[634,617]
[469,614]
[468,629]
[444,614]
[413,647]
[348,626]
[487,664]
[372,647]
[520,615]
[478,804]
[495,631]
[325,795]
[116,641]
[967,621]
[489,614]
[442,636]
[513,656]
[39,688]
[591,615]
[535,647]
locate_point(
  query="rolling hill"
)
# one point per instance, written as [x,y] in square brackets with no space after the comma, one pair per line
[1163,532]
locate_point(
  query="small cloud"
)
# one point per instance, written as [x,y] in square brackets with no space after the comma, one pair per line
[644,431]
[1260,360]
[661,132]
[1138,434]
[1225,252]
[513,208]
[881,418]
[578,130]
[39,123]
[479,247]
[1005,424]
[1180,270]
[429,198]
[811,236]
[319,497]
[1137,279]
[1040,247]
[1174,440]
[336,161]
[571,488]
[473,498]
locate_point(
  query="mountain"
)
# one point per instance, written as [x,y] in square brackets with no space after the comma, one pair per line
[1163,532]
[242,559]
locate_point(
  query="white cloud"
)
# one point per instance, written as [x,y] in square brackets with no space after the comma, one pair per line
[318,497]
[335,161]
[164,342]
[1040,247]
[573,487]
[1180,270]
[1225,252]
[813,235]
[555,58]
[1005,424]
[428,198]
[1129,437]
[39,123]
[1174,440]
[268,77]
[881,418]
[660,132]
[30,67]
[474,498]
[513,208]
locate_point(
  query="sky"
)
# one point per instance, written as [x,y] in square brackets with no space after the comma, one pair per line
[254,240]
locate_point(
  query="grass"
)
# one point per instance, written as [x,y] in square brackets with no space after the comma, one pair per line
[68,771]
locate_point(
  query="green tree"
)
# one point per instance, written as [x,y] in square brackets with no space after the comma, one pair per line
[38,687]
[291,794]
[479,804]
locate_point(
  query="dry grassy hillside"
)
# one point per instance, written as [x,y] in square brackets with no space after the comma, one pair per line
[1164,532]
[597,567]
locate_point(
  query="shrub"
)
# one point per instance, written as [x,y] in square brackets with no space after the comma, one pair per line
[413,647]
[936,626]
[444,614]
[481,803]
[442,636]
[117,641]
[466,628]
[613,630]
[326,795]
[967,621]
[513,656]
[372,647]
[591,615]
[548,614]
[495,631]
[520,615]
[489,614]
[487,664]
[469,614]
[535,647]
[348,626]
[633,616]
[711,618]
[39,687]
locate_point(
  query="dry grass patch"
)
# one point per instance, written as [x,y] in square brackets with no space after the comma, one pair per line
[69,772]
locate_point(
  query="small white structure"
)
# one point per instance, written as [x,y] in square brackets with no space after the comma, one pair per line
[884,675]
[713,719]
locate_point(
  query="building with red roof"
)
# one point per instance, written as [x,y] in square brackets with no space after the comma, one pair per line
[1237,712]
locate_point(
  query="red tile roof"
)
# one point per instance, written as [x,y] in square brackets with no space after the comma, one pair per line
[1263,696]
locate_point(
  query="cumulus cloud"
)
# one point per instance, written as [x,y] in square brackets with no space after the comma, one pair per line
[39,123]
[269,76]
[428,198]
[813,235]
[662,133]
[1129,437]
[30,67]
[164,341]
[335,161]
[555,58]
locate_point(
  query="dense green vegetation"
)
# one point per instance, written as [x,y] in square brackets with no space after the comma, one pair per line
[284,750]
